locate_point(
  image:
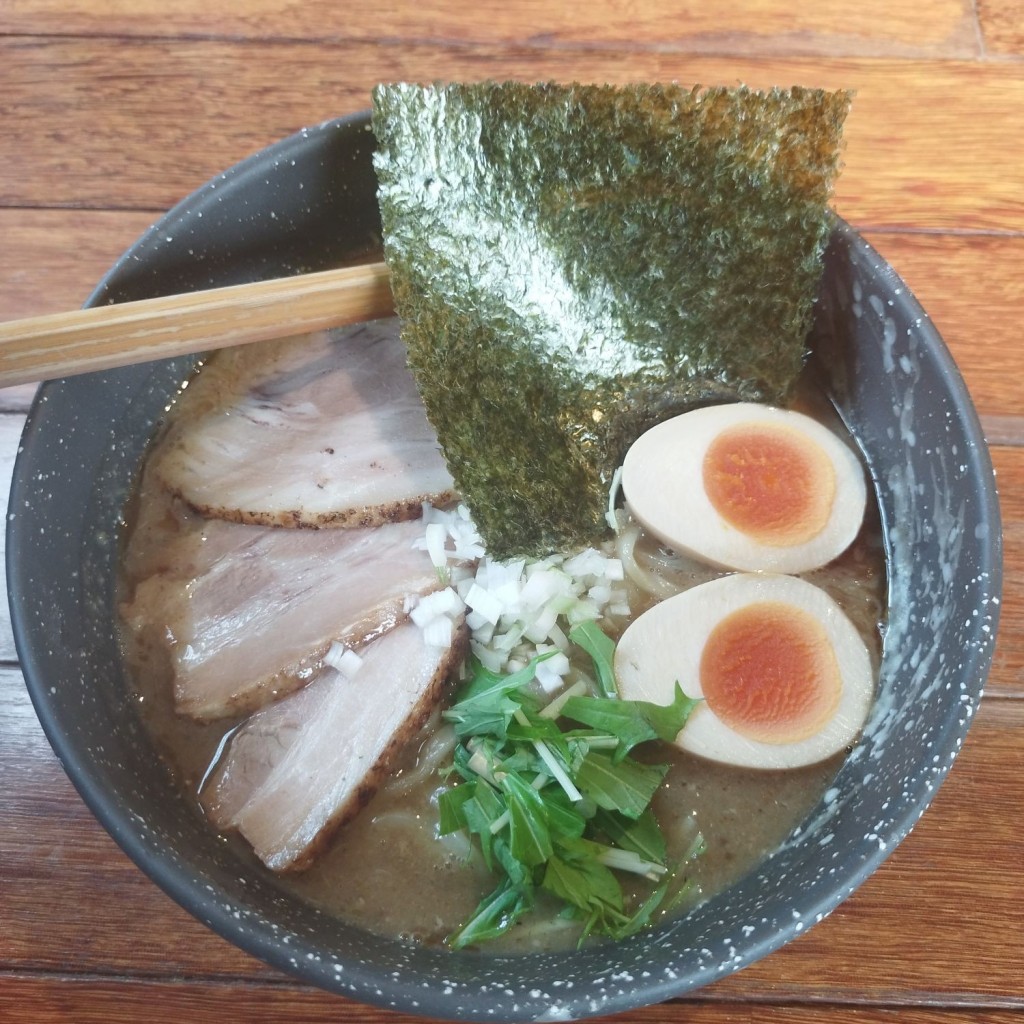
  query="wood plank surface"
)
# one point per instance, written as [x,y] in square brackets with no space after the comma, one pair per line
[105,1001]
[970,285]
[1002,27]
[926,141]
[10,433]
[942,918]
[112,110]
[1007,674]
[972,288]
[732,26]
[51,260]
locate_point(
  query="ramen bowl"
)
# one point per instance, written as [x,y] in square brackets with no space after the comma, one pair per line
[309,203]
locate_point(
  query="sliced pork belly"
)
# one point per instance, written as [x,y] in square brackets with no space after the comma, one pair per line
[301,767]
[249,611]
[321,430]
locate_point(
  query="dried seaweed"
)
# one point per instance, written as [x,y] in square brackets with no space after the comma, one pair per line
[574,263]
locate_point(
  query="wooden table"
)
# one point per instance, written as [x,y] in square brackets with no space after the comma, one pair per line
[110,111]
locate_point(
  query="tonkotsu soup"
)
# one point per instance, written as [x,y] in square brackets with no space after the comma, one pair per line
[199,573]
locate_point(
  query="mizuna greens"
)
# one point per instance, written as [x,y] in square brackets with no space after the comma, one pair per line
[556,802]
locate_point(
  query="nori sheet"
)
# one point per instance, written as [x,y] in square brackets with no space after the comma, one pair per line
[574,263]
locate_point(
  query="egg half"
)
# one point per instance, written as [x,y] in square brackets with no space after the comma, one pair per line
[748,487]
[785,678]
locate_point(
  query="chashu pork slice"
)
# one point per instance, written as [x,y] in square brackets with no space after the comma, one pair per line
[325,429]
[249,611]
[298,769]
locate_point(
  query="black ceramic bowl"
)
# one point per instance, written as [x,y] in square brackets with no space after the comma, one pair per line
[309,203]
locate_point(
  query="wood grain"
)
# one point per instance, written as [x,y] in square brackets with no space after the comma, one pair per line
[10,434]
[1002,26]
[926,141]
[56,855]
[103,1001]
[112,110]
[84,340]
[971,286]
[828,28]
[973,290]
[51,260]
[1007,674]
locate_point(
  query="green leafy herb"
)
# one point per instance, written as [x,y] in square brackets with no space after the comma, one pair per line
[601,649]
[485,706]
[578,877]
[642,835]
[563,810]
[633,721]
[529,834]
[564,819]
[589,260]
[451,808]
[625,785]
[485,807]
[494,916]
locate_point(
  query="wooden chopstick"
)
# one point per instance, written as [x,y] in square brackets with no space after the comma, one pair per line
[64,344]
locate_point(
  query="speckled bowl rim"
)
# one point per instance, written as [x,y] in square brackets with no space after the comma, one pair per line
[647,969]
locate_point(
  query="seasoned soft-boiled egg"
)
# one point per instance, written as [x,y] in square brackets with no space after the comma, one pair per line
[785,677]
[747,487]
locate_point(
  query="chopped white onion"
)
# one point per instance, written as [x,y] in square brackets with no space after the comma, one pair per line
[558,638]
[343,659]
[552,671]
[613,496]
[540,629]
[436,539]
[438,604]
[484,602]
[491,660]
[542,586]
[519,608]
[439,632]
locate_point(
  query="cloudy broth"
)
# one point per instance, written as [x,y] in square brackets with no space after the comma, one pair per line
[388,871]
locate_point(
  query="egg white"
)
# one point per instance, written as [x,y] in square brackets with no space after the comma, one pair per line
[662,479]
[664,645]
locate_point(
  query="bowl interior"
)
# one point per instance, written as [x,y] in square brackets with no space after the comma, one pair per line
[309,203]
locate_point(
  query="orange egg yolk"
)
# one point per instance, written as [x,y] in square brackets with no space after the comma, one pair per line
[770,482]
[769,672]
